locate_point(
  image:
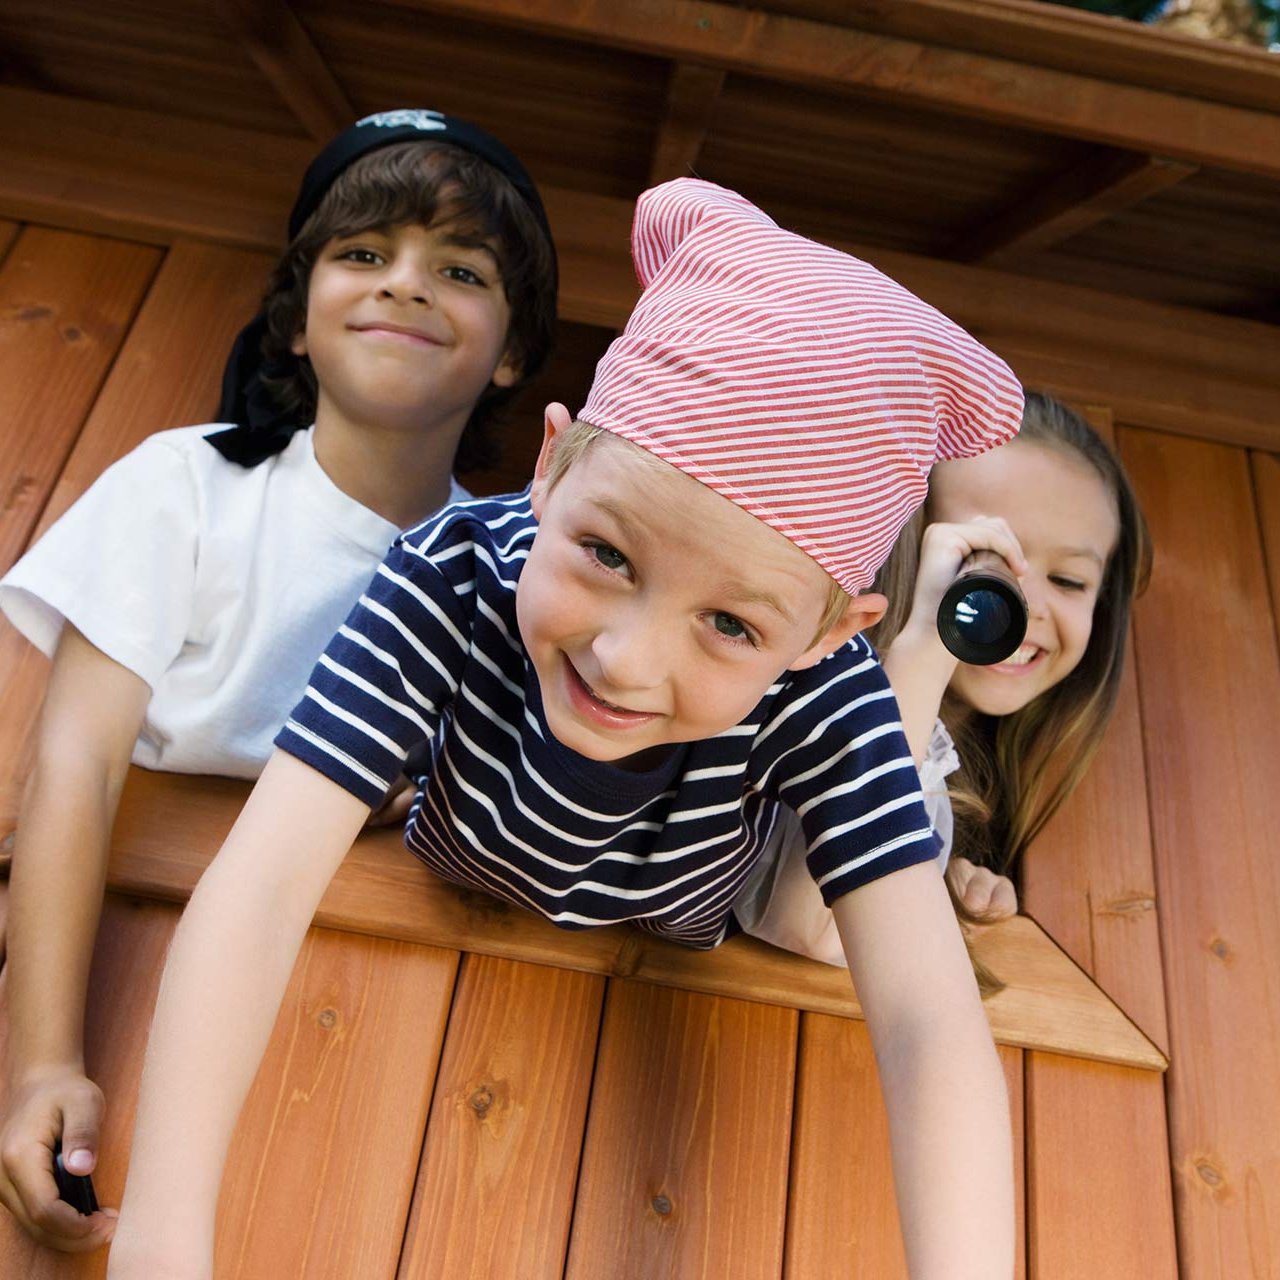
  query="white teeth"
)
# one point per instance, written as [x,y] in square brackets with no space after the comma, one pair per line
[1023,656]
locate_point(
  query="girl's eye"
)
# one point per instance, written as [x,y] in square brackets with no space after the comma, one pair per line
[608,556]
[1067,584]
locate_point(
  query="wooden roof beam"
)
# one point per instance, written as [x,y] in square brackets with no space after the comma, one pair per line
[802,51]
[119,170]
[284,52]
[692,93]
[1074,201]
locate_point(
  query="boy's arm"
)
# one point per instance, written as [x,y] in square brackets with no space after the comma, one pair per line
[92,712]
[943,1086]
[225,976]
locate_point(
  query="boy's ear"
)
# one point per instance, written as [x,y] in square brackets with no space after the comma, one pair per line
[299,344]
[556,420]
[860,613]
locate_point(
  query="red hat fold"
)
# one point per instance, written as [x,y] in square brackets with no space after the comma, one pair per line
[796,380]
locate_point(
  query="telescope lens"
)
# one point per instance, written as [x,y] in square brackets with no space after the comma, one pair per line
[983,616]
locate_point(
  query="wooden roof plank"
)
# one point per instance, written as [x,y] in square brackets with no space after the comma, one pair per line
[1209,682]
[1089,879]
[688,1135]
[381,889]
[506,1124]
[8,233]
[692,93]
[284,52]
[1069,39]
[1168,367]
[1073,202]
[1097,1154]
[824,53]
[167,373]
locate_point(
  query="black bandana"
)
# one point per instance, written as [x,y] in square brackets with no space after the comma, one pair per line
[262,427]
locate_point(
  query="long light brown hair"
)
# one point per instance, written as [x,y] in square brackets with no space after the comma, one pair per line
[1017,770]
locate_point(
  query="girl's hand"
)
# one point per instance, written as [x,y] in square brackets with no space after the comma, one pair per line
[986,896]
[943,549]
[61,1103]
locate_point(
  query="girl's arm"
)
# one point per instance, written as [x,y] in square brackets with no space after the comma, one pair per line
[92,712]
[226,973]
[943,1086]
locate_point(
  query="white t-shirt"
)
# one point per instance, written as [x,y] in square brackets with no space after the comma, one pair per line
[780,902]
[219,585]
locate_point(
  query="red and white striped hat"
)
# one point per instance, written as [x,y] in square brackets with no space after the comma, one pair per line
[795,380]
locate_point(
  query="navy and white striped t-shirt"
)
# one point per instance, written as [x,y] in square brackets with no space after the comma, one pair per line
[430,662]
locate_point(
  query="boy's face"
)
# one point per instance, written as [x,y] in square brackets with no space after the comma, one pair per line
[406,326]
[654,610]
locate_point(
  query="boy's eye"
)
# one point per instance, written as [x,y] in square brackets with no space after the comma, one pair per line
[465,275]
[365,257]
[727,625]
[608,556]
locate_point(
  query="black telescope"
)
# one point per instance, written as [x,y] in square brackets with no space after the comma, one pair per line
[983,615]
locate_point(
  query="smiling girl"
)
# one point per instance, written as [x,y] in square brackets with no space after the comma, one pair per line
[1011,740]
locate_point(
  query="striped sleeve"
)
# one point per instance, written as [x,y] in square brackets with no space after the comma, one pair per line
[842,762]
[386,678]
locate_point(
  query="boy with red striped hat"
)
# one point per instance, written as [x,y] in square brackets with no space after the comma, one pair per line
[608,686]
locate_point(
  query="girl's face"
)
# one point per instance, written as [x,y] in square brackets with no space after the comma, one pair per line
[1063,515]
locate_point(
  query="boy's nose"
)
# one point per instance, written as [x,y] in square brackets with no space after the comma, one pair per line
[407,281]
[630,659]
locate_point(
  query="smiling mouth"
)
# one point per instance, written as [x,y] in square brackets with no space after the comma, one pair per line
[396,333]
[601,709]
[1022,657]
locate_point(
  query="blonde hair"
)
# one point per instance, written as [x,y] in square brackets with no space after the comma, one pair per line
[579,436]
[1017,770]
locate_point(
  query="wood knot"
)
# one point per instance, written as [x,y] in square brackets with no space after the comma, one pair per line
[1134,905]
[1209,1174]
[72,334]
[33,313]
[481,1100]
[328,1019]
[661,1205]
[1221,948]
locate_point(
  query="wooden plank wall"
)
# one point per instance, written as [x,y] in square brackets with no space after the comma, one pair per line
[758,1104]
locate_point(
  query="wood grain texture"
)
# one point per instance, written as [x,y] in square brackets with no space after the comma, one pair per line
[1072,202]
[506,1125]
[692,92]
[803,51]
[1266,484]
[131,947]
[1089,879]
[66,302]
[283,51]
[1209,682]
[320,1173]
[381,889]
[684,1170]
[167,373]
[842,1213]
[8,233]
[1218,380]
[1099,1201]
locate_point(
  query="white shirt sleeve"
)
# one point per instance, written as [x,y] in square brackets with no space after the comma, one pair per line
[119,566]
